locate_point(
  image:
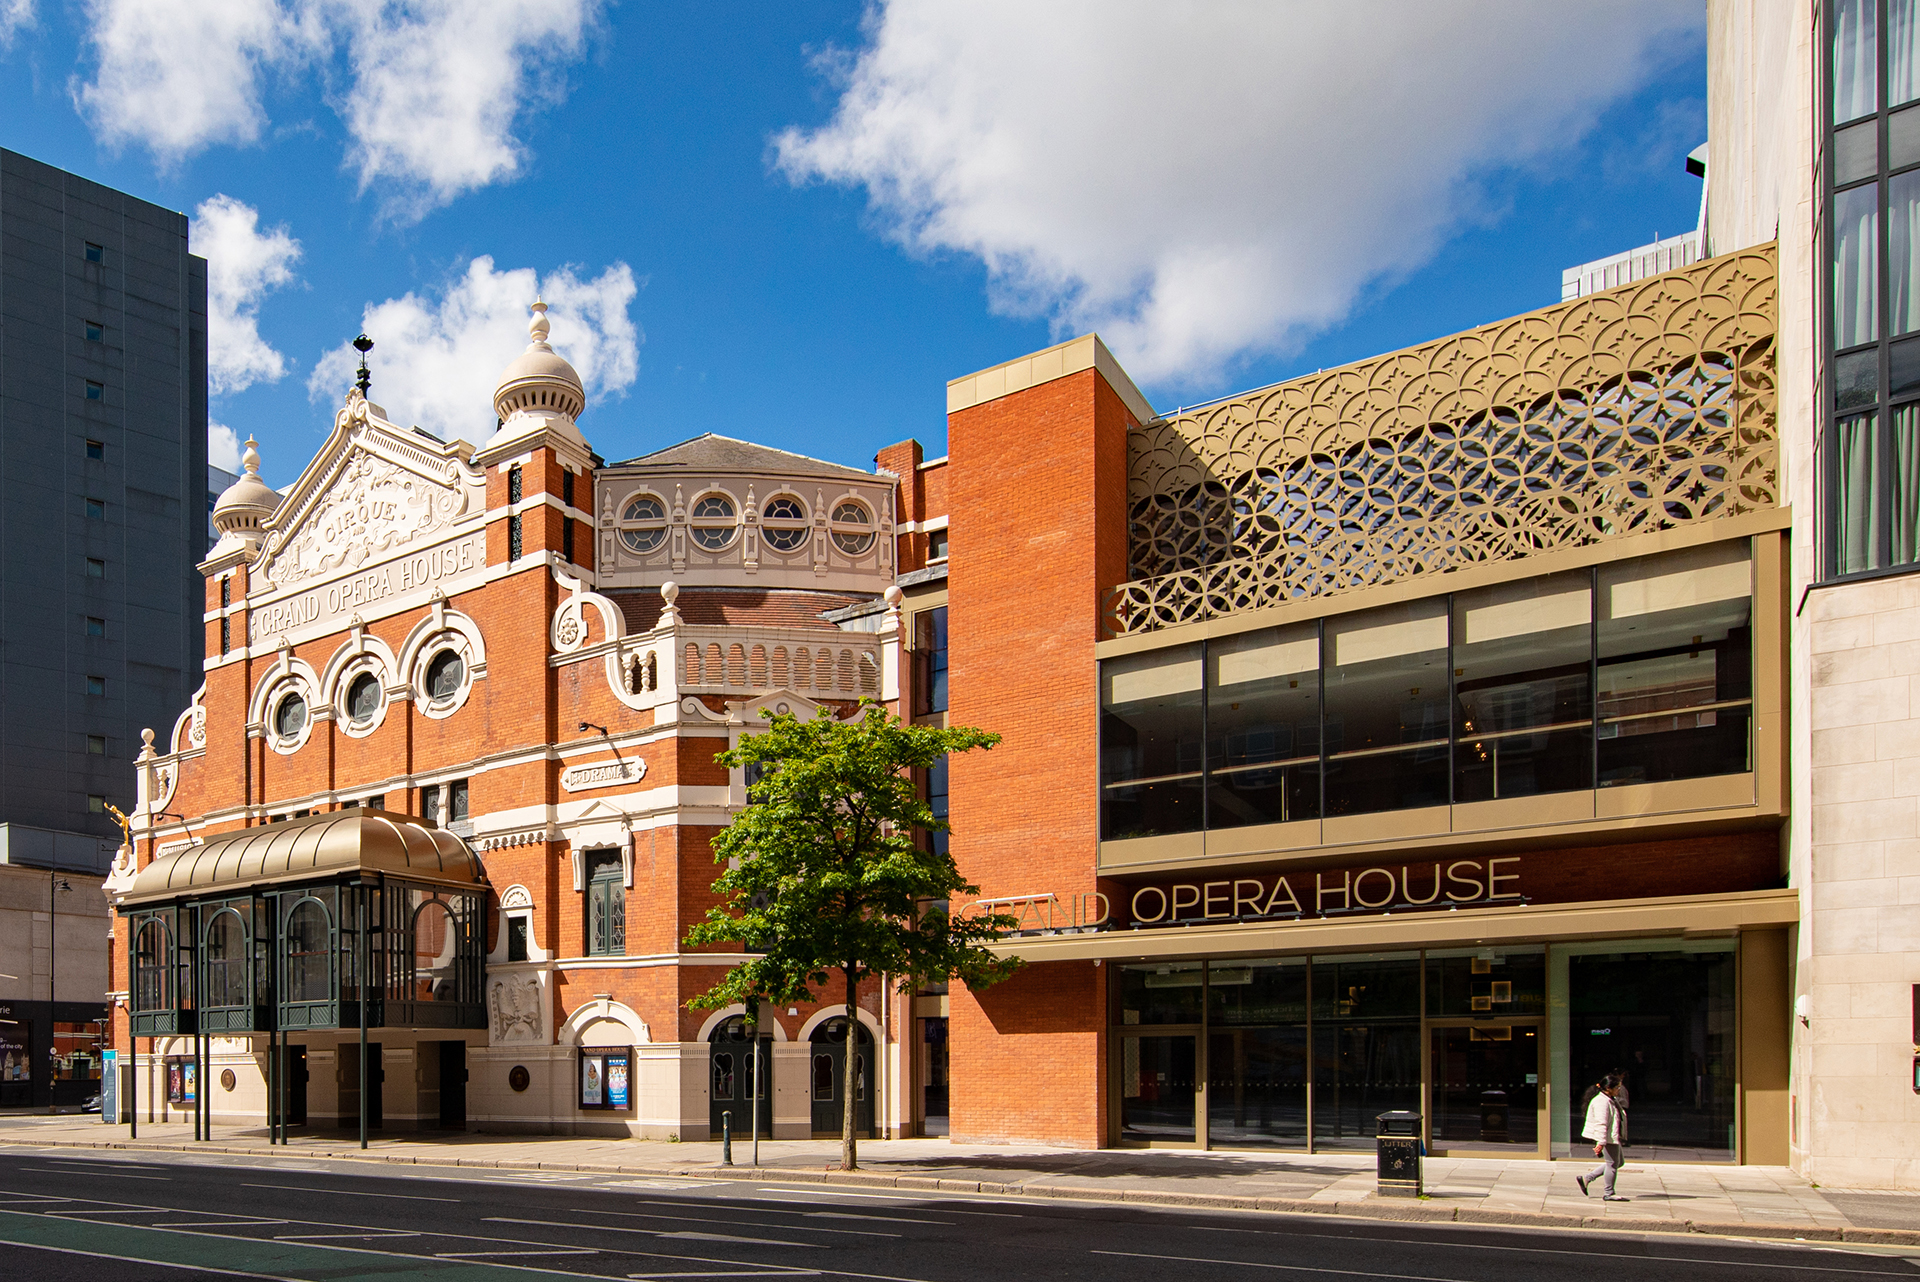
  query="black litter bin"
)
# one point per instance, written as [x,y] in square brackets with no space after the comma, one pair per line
[1398,1138]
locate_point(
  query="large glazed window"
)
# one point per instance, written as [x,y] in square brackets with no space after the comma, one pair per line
[227,960]
[307,953]
[1386,709]
[1522,669]
[1870,448]
[1152,728]
[1263,727]
[1676,666]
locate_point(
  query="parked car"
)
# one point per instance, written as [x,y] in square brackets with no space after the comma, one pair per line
[91,1105]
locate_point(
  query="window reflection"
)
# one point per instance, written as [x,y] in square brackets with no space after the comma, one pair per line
[1263,727]
[1522,662]
[1639,672]
[1151,724]
[1386,709]
[1676,666]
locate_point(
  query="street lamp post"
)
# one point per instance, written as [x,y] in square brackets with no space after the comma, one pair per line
[55,882]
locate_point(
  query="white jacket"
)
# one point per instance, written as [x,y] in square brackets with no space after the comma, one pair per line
[1606,1121]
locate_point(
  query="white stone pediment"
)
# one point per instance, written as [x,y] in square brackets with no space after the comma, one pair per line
[374,492]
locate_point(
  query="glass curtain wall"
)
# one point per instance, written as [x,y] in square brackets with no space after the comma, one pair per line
[1871,452]
[1640,671]
[1292,1052]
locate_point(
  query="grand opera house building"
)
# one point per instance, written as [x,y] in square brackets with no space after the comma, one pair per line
[1441,732]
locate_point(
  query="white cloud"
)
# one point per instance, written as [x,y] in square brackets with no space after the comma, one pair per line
[1206,182]
[180,75]
[243,264]
[430,93]
[223,447]
[436,362]
[15,16]
[436,89]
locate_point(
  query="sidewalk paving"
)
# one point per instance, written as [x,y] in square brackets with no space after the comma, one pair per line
[1745,1201]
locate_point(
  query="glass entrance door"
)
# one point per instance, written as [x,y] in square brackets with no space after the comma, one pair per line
[1485,1087]
[1157,1089]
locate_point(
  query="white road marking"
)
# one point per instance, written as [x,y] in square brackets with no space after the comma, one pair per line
[321,1237]
[883,1219]
[133,1259]
[300,1188]
[246,1223]
[475,1255]
[112,1175]
[758,1224]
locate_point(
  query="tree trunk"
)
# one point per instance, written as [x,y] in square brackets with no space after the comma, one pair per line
[849,1143]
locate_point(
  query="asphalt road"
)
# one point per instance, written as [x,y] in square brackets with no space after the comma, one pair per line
[68,1213]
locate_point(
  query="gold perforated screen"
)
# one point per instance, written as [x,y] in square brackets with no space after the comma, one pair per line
[1638,409]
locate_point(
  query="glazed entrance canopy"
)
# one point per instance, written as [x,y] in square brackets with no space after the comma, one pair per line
[343,842]
[356,917]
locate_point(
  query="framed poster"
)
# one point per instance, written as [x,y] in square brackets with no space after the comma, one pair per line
[593,1081]
[182,1078]
[618,1067]
[606,1078]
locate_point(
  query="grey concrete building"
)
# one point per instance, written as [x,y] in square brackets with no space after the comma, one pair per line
[103,458]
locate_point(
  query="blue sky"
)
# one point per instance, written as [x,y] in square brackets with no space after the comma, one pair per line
[826,212]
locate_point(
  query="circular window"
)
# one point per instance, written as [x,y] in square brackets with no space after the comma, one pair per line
[852,528]
[783,523]
[444,675]
[643,526]
[290,718]
[713,522]
[363,699]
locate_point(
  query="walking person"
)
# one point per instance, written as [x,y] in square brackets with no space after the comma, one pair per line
[1607,1128]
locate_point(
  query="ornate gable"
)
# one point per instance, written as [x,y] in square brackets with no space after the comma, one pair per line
[374,491]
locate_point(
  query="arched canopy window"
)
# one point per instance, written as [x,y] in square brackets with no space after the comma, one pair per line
[227,976]
[152,968]
[434,937]
[309,978]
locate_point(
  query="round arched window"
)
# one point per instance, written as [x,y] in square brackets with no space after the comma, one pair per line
[290,717]
[643,525]
[852,527]
[444,675]
[363,699]
[783,523]
[713,522]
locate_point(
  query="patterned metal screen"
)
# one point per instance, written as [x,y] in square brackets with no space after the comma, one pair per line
[1642,408]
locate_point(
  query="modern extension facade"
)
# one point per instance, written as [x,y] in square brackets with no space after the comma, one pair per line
[103,444]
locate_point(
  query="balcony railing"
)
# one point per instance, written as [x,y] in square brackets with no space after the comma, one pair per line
[808,661]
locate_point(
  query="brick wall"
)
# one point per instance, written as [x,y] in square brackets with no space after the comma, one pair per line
[1038,536]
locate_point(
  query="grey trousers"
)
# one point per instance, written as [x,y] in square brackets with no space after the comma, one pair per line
[1609,1167]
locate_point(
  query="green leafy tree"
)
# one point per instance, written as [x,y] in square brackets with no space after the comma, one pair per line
[825,876]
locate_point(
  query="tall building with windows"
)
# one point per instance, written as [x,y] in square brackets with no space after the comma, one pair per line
[103,445]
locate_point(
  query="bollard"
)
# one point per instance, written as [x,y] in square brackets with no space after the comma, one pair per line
[726,1138]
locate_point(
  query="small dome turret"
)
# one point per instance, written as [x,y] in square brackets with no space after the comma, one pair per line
[540,379]
[247,503]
